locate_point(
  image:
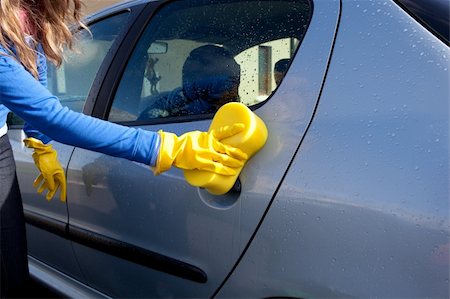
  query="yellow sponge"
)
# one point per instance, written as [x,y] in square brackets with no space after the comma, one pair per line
[250,140]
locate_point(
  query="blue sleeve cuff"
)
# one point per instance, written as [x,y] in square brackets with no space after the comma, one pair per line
[155,152]
[31,132]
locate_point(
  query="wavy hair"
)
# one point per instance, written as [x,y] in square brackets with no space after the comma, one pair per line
[50,20]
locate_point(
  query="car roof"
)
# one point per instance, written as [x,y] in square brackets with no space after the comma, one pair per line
[115,8]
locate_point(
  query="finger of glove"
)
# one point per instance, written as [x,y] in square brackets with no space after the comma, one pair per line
[42,187]
[228,131]
[53,182]
[49,180]
[61,180]
[216,167]
[225,160]
[232,152]
[218,161]
[40,184]
[51,193]
[219,168]
[38,180]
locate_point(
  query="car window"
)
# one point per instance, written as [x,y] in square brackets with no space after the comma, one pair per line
[195,56]
[72,81]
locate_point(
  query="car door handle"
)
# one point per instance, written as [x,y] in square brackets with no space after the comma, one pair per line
[236,189]
[223,201]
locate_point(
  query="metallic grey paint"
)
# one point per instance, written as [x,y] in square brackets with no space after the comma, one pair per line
[362,210]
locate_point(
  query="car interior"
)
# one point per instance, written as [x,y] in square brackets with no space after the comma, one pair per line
[157,71]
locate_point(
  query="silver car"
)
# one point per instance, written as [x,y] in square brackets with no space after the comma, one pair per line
[348,198]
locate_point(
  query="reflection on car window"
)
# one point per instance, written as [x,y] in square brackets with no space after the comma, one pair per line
[72,81]
[210,78]
[195,56]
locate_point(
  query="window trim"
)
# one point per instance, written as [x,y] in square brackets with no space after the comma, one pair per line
[96,87]
[102,100]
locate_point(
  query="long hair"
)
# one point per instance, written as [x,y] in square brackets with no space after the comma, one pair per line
[50,20]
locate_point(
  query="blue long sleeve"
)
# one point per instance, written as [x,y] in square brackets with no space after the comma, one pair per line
[41,62]
[28,98]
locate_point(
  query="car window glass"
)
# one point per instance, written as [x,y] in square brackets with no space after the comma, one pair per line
[195,56]
[72,81]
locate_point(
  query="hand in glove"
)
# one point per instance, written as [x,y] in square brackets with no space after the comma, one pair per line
[201,150]
[51,175]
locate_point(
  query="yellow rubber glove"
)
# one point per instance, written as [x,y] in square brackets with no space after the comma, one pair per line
[51,175]
[201,150]
[250,141]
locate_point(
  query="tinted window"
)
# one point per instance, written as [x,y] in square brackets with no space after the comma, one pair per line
[72,81]
[194,56]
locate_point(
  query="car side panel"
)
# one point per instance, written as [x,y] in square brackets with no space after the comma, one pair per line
[43,244]
[363,211]
[165,215]
[47,221]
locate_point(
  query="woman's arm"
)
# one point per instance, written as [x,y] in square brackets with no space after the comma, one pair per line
[42,73]
[26,97]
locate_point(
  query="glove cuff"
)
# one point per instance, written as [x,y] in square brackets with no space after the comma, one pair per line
[37,145]
[166,154]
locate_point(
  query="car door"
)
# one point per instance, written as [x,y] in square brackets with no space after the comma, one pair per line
[48,244]
[140,235]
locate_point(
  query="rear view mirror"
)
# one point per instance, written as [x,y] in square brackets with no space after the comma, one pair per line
[158,48]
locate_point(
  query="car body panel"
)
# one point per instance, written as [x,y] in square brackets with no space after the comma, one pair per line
[35,204]
[348,198]
[61,284]
[165,215]
[47,221]
[363,211]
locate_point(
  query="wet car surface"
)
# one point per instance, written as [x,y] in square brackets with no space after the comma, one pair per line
[348,198]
